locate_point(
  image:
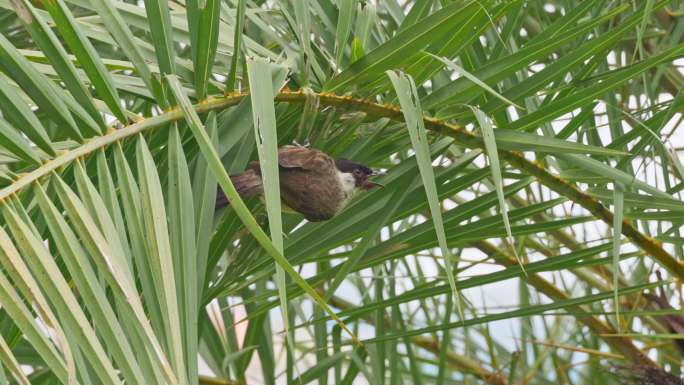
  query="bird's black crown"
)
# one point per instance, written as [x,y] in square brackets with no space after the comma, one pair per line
[346,165]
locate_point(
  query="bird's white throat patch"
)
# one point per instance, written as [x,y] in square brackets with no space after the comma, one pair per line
[348,184]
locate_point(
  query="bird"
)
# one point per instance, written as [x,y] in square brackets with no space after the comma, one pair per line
[312,183]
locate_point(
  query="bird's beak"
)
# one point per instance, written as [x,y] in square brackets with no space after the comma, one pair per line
[367,185]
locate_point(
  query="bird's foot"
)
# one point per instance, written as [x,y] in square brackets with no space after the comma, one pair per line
[306,144]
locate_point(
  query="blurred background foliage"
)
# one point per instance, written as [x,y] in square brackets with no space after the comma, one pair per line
[529,231]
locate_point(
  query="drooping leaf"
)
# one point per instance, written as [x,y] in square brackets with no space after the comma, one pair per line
[410,103]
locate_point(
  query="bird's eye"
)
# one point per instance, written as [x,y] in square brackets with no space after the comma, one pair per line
[357,172]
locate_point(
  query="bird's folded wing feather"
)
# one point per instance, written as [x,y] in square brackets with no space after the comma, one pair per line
[304,158]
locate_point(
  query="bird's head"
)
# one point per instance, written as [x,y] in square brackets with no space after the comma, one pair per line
[360,173]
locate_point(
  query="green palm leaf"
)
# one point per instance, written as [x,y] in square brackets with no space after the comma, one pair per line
[499,119]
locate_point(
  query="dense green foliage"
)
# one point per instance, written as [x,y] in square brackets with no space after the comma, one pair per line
[529,230]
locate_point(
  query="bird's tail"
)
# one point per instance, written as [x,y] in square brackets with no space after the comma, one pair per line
[247,184]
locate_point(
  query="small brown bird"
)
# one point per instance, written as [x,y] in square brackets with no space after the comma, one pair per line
[311,182]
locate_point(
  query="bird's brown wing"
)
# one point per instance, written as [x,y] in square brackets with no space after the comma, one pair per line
[304,158]
[290,157]
[308,181]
